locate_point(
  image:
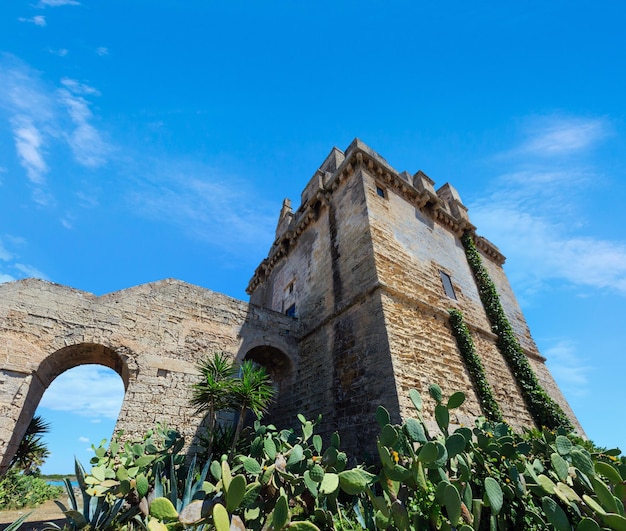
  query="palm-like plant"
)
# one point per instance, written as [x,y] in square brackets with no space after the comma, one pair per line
[214,392]
[252,391]
[32,451]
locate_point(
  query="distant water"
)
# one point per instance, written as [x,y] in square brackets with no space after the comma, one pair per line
[60,483]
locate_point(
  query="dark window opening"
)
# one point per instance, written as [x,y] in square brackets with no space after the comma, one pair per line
[447,285]
[291,311]
[380,191]
[290,288]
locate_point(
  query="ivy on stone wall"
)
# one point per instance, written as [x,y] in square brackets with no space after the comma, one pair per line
[544,410]
[464,340]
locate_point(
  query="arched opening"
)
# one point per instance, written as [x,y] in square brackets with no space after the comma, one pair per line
[78,390]
[281,370]
[275,361]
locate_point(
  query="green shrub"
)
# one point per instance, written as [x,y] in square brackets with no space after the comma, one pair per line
[18,490]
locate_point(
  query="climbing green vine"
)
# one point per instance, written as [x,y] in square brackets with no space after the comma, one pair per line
[544,410]
[475,367]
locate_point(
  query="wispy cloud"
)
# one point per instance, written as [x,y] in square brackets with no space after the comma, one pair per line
[57,3]
[5,255]
[203,202]
[83,439]
[534,212]
[569,370]
[30,271]
[96,392]
[38,20]
[44,118]
[85,140]
[29,146]
[542,250]
[61,52]
[549,136]
[102,51]
[223,211]
[10,267]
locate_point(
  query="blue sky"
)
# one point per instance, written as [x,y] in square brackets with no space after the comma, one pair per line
[143,140]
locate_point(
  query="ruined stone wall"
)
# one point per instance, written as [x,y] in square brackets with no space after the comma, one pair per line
[153,335]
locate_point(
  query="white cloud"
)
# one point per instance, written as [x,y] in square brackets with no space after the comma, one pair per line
[85,140]
[568,369]
[29,146]
[97,392]
[38,20]
[541,250]
[11,268]
[222,211]
[83,439]
[4,254]
[77,87]
[30,271]
[61,52]
[535,213]
[550,136]
[102,51]
[57,3]
[43,117]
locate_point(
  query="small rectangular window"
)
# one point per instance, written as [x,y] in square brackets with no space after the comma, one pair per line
[447,285]
[380,191]
[290,288]
[291,311]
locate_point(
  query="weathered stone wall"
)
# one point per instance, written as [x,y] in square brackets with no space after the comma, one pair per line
[153,335]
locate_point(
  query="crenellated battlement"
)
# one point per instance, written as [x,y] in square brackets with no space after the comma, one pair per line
[444,205]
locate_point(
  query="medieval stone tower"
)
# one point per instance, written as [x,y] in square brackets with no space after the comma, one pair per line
[348,311]
[369,265]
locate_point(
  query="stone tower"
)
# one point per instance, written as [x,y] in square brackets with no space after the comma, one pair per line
[369,265]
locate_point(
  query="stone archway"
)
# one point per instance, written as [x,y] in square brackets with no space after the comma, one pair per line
[52,366]
[282,370]
[275,361]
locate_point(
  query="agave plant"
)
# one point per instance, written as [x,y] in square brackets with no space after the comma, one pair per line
[95,512]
